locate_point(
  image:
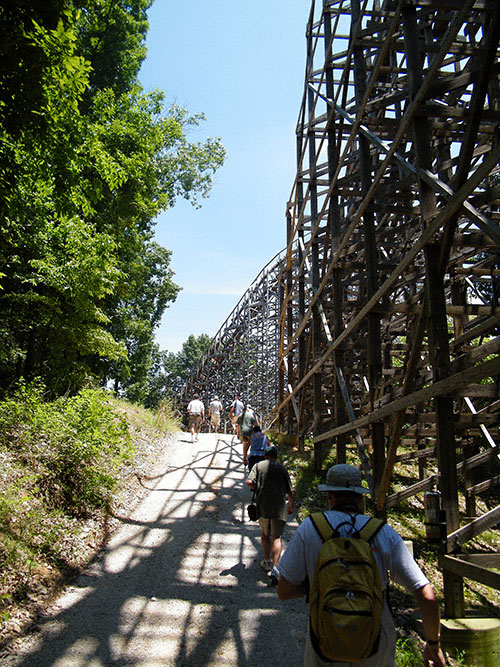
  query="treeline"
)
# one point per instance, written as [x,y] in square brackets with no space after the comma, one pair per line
[174,369]
[87,161]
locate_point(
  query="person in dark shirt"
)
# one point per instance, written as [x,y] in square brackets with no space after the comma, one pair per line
[274,499]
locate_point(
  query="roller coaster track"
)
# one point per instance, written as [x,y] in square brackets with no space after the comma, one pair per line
[377,328]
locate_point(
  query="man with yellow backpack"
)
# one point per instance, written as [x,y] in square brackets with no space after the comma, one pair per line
[341,558]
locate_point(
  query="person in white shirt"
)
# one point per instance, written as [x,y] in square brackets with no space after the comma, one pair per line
[196,412]
[298,563]
[235,411]
[214,412]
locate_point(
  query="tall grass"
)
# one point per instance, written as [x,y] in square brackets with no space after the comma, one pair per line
[61,462]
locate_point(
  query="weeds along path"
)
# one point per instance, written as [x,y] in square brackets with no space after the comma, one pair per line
[179,582]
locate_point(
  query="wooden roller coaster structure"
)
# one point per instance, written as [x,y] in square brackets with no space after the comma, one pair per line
[381,334]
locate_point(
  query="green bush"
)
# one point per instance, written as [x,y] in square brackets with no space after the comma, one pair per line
[62,463]
[408,653]
[73,446]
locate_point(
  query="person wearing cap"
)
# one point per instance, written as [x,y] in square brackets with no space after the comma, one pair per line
[196,413]
[297,565]
[235,411]
[214,412]
[258,445]
[246,422]
[274,499]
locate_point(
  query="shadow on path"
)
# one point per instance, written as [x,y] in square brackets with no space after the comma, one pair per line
[179,583]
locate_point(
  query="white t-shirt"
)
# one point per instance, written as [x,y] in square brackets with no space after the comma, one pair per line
[196,407]
[390,552]
[237,408]
[215,407]
[392,556]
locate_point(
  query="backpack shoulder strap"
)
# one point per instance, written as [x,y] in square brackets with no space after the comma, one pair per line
[371,528]
[322,525]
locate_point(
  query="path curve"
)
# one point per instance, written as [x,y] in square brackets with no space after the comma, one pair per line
[179,582]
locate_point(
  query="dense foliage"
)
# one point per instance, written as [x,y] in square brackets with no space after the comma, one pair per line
[87,161]
[63,464]
[170,371]
[72,447]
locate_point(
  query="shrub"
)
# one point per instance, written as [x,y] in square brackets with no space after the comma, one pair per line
[73,446]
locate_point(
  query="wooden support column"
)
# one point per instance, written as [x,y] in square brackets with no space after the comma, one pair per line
[301,365]
[370,246]
[335,231]
[313,207]
[437,325]
[289,327]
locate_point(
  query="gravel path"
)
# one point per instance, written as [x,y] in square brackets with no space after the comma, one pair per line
[179,582]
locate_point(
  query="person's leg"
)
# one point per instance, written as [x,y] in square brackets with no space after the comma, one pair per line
[276,550]
[266,546]
[266,542]
[276,531]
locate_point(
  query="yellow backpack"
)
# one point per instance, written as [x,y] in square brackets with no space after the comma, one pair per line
[346,596]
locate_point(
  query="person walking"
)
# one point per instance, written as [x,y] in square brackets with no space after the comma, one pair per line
[246,422]
[196,414]
[235,411]
[274,499]
[258,445]
[214,410]
[298,563]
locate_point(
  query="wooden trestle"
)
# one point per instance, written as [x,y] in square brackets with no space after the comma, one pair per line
[389,315]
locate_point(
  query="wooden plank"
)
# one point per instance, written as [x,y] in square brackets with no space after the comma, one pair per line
[417,454]
[478,459]
[488,368]
[470,531]
[483,559]
[461,418]
[423,485]
[470,571]
[484,486]
[469,309]
[478,391]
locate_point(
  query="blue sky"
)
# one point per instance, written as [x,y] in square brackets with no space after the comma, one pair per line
[242,65]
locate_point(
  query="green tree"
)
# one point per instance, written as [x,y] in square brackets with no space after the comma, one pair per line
[87,161]
[111,37]
[192,351]
[169,371]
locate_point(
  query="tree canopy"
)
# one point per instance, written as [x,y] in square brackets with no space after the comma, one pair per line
[87,162]
[170,371]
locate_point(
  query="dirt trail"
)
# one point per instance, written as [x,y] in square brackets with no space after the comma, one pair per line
[179,583]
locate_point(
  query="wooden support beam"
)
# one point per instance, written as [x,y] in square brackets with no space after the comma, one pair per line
[459,537]
[424,485]
[490,368]
[470,571]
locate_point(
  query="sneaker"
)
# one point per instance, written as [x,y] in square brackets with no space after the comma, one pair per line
[266,565]
[273,579]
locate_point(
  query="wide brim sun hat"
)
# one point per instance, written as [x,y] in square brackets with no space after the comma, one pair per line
[343,477]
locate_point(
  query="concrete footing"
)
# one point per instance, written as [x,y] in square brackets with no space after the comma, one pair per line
[476,639]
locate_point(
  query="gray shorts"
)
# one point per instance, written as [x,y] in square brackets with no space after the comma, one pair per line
[272,527]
